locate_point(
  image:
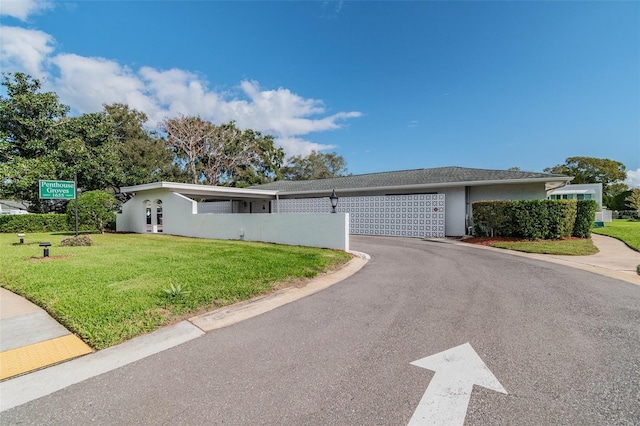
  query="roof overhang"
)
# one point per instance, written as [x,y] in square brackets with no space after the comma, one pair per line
[557,182]
[207,192]
[568,190]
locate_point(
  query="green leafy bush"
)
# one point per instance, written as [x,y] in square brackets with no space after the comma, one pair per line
[33,223]
[489,218]
[561,218]
[530,219]
[96,211]
[585,216]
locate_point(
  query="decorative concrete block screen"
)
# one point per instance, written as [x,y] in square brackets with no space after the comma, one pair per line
[218,207]
[419,215]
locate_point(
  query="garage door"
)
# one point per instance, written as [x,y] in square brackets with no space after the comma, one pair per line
[415,215]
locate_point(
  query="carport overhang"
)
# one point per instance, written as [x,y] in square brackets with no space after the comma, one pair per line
[203,192]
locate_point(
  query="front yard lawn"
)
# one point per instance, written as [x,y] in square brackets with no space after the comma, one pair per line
[569,247]
[129,284]
[627,230]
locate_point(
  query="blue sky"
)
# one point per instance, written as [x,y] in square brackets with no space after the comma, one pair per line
[387,85]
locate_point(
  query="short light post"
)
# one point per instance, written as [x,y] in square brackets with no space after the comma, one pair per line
[334,201]
[21,236]
[46,246]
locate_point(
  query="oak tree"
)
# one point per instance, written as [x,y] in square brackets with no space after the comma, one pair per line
[316,165]
[610,173]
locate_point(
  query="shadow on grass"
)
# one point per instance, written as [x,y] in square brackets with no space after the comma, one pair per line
[72,233]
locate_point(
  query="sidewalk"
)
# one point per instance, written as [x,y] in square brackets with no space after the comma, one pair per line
[30,339]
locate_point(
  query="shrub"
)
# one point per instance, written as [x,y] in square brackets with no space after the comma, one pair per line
[585,216]
[530,219]
[527,217]
[489,218]
[33,223]
[560,219]
[96,210]
[79,241]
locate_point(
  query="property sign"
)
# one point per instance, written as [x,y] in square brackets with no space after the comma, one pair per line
[57,189]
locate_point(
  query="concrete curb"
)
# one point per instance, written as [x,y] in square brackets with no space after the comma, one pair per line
[233,314]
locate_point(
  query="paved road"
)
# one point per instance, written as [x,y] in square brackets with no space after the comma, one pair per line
[564,343]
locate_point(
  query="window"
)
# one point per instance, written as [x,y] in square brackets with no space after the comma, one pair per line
[147,204]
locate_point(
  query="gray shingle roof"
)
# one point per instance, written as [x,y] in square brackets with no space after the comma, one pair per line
[438,175]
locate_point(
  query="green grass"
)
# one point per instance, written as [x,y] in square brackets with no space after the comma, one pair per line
[573,247]
[115,289]
[627,230]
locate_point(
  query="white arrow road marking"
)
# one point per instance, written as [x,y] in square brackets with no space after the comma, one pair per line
[446,399]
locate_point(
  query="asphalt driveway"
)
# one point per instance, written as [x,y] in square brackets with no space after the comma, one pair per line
[564,344]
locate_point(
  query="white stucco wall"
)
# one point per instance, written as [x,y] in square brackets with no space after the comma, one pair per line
[531,191]
[180,217]
[455,211]
[315,230]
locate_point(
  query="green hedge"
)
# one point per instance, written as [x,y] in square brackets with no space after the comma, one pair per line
[33,223]
[530,219]
[489,218]
[586,215]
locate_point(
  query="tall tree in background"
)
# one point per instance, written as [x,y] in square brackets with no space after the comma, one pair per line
[106,150]
[29,139]
[87,148]
[316,165]
[265,165]
[244,158]
[633,200]
[28,118]
[224,154]
[187,137]
[594,170]
[143,155]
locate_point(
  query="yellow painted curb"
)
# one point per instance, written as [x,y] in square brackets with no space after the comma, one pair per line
[33,357]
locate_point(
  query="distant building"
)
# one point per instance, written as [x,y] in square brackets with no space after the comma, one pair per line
[12,207]
[587,191]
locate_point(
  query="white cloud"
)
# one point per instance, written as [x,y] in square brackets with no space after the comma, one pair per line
[175,91]
[280,111]
[25,50]
[21,9]
[633,178]
[297,146]
[86,83]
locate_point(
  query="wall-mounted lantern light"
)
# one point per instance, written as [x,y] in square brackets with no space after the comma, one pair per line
[334,201]
[21,236]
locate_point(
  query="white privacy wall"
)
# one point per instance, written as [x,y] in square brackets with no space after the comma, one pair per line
[415,215]
[180,217]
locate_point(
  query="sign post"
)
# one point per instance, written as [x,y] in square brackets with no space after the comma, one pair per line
[75,185]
